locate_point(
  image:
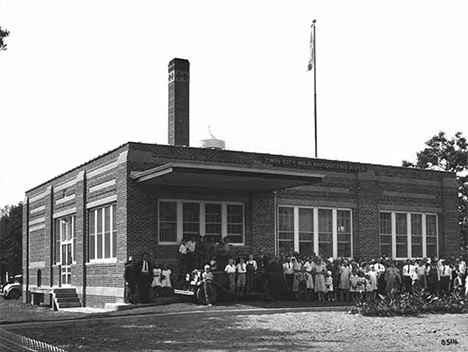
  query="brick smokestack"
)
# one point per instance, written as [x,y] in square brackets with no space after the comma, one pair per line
[179,122]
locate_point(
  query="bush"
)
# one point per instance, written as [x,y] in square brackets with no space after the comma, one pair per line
[406,304]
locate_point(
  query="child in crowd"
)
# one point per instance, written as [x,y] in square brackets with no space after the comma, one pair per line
[166,285]
[361,285]
[458,284]
[207,281]
[156,283]
[230,269]
[329,285]
[297,278]
[213,264]
[369,288]
[241,268]
[373,278]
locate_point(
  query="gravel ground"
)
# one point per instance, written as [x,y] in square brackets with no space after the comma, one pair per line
[214,330]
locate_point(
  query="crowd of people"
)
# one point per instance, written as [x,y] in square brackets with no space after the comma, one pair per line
[298,277]
[346,279]
[151,280]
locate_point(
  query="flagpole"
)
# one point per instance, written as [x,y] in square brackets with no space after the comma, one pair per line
[315,90]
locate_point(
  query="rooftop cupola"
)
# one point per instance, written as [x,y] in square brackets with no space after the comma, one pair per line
[212,142]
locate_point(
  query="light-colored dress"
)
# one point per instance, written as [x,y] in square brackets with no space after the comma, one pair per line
[373,280]
[329,283]
[345,273]
[353,283]
[166,281]
[156,278]
[392,279]
[361,284]
[310,276]
[369,286]
[319,271]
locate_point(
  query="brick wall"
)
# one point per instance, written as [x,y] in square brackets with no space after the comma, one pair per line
[363,188]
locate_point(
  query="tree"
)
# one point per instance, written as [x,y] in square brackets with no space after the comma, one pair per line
[3,34]
[11,243]
[449,154]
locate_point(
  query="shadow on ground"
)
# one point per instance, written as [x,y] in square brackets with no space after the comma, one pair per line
[179,333]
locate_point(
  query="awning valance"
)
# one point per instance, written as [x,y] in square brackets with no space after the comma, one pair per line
[224,177]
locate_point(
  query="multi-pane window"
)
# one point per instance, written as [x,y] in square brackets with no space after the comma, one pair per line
[168,221]
[327,232]
[416,235]
[431,236]
[306,231]
[235,223]
[102,233]
[343,219]
[325,220]
[386,234]
[64,240]
[286,229]
[184,219]
[191,220]
[401,235]
[406,234]
[213,222]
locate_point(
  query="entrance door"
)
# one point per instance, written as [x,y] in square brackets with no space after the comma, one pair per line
[66,263]
[67,231]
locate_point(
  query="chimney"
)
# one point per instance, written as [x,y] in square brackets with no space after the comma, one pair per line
[179,123]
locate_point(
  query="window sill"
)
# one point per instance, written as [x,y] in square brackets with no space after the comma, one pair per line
[102,262]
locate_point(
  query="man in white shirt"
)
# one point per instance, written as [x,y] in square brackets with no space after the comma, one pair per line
[445,275]
[230,269]
[241,268]
[183,256]
[145,276]
[379,268]
[288,269]
[408,273]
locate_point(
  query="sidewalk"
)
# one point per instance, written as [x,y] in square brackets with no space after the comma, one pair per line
[28,315]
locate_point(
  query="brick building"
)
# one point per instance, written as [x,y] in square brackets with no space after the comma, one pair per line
[80,227]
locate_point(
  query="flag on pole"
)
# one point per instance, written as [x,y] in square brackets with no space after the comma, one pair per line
[312,48]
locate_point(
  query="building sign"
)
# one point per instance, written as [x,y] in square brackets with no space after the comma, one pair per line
[313,164]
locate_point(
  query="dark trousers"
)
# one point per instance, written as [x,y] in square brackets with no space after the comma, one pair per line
[381,284]
[407,282]
[144,282]
[444,285]
[289,282]
[130,292]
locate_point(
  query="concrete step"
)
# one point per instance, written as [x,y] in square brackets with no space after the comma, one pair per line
[68,304]
[64,290]
[68,299]
[65,295]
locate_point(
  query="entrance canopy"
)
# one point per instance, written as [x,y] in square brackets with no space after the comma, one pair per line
[224,177]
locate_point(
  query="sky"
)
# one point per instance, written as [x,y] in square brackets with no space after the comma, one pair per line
[80,78]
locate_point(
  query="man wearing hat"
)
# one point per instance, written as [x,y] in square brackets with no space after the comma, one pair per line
[130,281]
[144,274]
